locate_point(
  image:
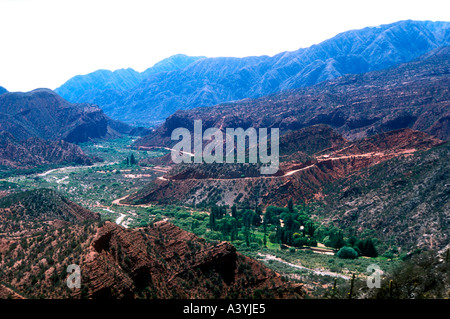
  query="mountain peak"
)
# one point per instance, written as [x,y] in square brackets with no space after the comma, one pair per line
[174,62]
[3,90]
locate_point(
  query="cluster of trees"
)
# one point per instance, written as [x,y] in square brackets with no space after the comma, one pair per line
[229,224]
[297,229]
[291,226]
[131,160]
[354,247]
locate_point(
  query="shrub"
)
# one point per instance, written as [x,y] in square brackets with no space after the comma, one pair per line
[347,253]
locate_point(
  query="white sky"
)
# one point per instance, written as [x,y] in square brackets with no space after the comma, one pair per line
[43,43]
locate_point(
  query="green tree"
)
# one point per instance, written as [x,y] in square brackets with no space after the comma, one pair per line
[212,220]
[256,220]
[265,232]
[234,211]
[132,160]
[291,206]
[347,253]
[336,239]
[309,228]
[247,236]
[367,248]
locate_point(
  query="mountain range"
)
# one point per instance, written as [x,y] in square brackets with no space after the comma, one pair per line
[411,95]
[334,135]
[210,81]
[104,87]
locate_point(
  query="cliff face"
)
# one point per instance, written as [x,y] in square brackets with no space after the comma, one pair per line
[163,261]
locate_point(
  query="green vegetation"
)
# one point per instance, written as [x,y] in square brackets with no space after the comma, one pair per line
[265,236]
[347,253]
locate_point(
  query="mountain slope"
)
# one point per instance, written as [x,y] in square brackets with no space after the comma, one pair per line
[404,200]
[412,95]
[394,184]
[210,81]
[35,152]
[31,212]
[159,261]
[104,87]
[299,177]
[42,113]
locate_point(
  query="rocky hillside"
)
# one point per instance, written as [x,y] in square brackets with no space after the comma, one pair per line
[405,200]
[207,82]
[299,177]
[31,212]
[159,261]
[37,129]
[394,184]
[34,152]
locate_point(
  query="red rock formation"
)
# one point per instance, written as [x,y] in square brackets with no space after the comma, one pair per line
[198,183]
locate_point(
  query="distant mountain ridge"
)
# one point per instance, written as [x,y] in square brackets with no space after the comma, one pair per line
[411,95]
[210,81]
[104,86]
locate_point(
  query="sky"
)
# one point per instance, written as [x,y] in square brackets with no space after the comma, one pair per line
[44,43]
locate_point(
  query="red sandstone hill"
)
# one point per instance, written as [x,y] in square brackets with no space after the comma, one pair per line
[158,261]
[35,152]
[163,261]
[298,177]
